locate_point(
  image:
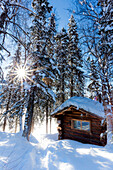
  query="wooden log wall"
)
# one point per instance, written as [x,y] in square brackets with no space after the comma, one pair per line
[83,136]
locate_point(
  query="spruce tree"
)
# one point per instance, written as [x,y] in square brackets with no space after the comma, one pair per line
[94,87]
[61,54]
[106,57]
[13,93]
[42,64]
[75,60]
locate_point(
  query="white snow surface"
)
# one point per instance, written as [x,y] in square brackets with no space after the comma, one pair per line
[83,103]
[47,153]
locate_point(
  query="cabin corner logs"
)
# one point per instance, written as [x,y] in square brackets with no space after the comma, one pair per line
[67,119]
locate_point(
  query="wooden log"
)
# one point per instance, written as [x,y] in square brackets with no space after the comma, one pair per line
[88,135]
[82,139]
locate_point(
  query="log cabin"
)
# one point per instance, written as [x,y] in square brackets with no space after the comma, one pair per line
[81,119]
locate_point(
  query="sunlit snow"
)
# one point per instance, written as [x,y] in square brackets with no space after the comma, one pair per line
[83,103]
[45,152]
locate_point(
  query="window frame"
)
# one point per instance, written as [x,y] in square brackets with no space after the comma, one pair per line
[72,125]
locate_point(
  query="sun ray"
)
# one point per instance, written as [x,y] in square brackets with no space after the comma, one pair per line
[30,79]
[21,73]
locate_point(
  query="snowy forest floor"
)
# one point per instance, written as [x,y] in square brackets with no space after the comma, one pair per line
[46,153]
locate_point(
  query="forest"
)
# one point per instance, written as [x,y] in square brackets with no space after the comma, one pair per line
[46,66]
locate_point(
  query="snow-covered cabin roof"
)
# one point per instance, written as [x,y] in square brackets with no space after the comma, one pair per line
[82,103]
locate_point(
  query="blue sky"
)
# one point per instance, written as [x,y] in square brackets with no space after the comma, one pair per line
[61,7]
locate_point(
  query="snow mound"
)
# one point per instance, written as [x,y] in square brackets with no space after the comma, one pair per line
[83,103]
[49,154]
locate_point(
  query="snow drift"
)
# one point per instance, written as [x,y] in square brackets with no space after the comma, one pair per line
[46,153]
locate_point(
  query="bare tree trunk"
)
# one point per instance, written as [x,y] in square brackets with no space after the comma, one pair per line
[4,124]
[111,103]
[29,115]
[71,81]
[50,118]
[47,118]
[50,124]
[108,113]
[32,127]
[20,123]
[7,107]
[63,87]
[16,123]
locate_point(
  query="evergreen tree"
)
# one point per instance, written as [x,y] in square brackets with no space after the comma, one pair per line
[75,60]
[106,57]
[13,93]
[98,40]
[42,64]
[61,51]
[95,85]
[101,49]
[50,52]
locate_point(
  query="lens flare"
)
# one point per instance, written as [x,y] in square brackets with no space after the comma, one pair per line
[21,73]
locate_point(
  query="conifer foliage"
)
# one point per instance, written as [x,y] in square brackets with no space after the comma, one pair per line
[100,50]
[53,63]
[61,51]
[106,57]
[75,60]
[13,96]
[69,61]
[41,59]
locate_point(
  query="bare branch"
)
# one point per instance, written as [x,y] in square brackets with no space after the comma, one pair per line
[23,8]
[18,27]
[14,37]
[5,49]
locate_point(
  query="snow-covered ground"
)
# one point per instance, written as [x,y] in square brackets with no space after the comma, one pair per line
[46,153]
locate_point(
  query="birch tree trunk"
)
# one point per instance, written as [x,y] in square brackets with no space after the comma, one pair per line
[108,110]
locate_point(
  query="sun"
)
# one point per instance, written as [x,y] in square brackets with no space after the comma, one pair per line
[21,73]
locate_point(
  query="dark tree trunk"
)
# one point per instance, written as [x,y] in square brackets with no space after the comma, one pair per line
[29,115]
[16,123]
[47,118]
[99,98]
[7,107]
[105,95]
[63,87]
[32,126]
[50,124]
[72,83]
[4,124]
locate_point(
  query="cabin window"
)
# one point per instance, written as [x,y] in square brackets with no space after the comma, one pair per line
[80,124]
[77,124]
[85,125]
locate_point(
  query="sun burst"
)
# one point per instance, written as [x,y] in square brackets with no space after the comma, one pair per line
[22,73]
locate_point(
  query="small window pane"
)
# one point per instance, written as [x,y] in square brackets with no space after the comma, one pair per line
[77,124]
[86,126]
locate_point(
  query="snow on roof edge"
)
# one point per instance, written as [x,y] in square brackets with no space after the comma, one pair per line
[82,103]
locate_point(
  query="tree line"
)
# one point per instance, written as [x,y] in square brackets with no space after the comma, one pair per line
[57,64]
